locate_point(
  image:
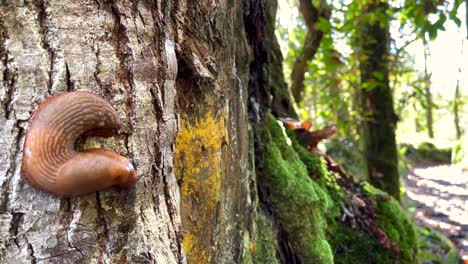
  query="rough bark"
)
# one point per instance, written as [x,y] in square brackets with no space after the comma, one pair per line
[380,119]
[125,51]
[311,15]
[212,161]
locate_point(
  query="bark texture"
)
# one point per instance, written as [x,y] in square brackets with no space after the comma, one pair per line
[125,51]
[212,165]
[377,101]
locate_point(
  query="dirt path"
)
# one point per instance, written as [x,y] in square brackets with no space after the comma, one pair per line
[440,196]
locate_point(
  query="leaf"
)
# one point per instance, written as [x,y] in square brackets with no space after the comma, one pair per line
[323,25]
[379,76]
[456,20]
[432,32]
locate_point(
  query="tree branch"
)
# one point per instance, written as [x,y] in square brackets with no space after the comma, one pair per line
[311,15]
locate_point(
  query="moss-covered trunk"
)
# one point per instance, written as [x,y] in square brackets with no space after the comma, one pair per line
[377,102]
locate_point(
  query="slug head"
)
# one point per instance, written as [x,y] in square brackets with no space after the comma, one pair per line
[94,170]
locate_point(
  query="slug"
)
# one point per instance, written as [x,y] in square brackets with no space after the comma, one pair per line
[51,164]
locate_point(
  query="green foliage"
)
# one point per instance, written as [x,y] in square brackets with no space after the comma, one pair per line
[459,151]
[332,82]
[429,16]
[347,153]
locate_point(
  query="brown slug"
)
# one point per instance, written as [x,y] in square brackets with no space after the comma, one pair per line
[51,164]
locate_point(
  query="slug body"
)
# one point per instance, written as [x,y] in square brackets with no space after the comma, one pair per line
[50,162]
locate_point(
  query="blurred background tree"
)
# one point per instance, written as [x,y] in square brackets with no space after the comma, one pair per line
[340,75]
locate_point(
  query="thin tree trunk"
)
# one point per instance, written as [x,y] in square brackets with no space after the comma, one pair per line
[456,101]
[379,126]
[427,92]
[456,117]
[466,17]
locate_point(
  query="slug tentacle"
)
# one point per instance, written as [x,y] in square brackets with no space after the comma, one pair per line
[50,162]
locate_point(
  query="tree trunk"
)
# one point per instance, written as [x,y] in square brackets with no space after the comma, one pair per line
[427,92]
[456,111]
[380,119]
[182,76]
[457,104]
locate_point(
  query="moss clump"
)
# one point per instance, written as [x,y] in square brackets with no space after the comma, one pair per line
[396,224]
[427,152]
[265,241]
[435,248]
[298,202]
[356,246]
[306,200]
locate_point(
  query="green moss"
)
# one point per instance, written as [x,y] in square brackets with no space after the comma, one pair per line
[431,242]
[265,241]
[306,201]
[298,202]
[396,224]
[427,152]
[356,246]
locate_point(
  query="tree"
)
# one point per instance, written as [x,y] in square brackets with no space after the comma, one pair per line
[159,64]
[312,15]
[457,101]
[377,102]
[427,92]
[126,53]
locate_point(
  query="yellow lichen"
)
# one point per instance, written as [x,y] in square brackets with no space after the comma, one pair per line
[198,168]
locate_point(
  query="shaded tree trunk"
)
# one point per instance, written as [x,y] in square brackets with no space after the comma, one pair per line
[380,119]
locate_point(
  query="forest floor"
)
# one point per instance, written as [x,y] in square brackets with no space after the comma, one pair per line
[439,195]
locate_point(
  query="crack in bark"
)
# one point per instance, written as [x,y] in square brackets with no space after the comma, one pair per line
[103,232]
[44,31]
[97,71]
[124,55]
[10,73]
[31,251]
[14,226]
[67,208]
[70,84]
[5,197]
[172,210]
